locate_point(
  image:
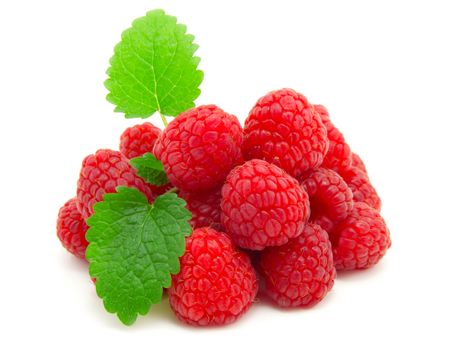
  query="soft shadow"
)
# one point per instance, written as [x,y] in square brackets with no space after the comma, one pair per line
[71,262]
[265,301]
[360,275]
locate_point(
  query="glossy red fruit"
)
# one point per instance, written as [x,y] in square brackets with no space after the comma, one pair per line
[263,206]
[331,198]
[301,272]
[71,229]
[339,154]
[139,139]
[216,284]
[102,173]
[283,129]
[362,189]
[200,147]
[205,208]
[361,240]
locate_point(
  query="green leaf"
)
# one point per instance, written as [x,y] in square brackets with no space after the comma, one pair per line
[150,169]
[134,247]
[154,68]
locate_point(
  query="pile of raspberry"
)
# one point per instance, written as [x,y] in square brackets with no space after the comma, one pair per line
[278,206]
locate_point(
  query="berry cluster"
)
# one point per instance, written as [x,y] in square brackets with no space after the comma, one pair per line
[277,206]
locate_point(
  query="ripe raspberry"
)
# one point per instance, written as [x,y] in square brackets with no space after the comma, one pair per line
[330,197]
[357,162]
[159,190]
[282,129]
[361,240]
[263,206]
[301,272]
[339,153]
[216,283]
[362,189]
[138,140]
[71,229]
[102,173]
[205,208]
[200,147]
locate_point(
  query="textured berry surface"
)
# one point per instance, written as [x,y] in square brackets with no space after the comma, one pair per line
[138,140]
[358,163]
[200,147]
[71,229]
[362,189]
[361,240]
[216,283]
[102,173]
[283,129]
[263,206]
[329,194]
[339,153]
[205,208]
[158,190]
[301,272]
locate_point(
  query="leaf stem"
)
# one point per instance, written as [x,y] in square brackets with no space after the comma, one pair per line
[172,190]
[164,119]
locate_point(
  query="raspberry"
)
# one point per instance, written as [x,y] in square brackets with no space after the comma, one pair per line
[71,229]
[102,173]
[159,190]
[301,272]
[200,147]
[263,206]
[361,240]
[138,140]
[330,197]
[282,129]
[339,153]
[205,208]
[357,162]
[362,189]
[216,283]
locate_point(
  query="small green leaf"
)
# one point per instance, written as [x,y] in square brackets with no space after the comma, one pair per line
[154,68]
[150,169]
[134,247]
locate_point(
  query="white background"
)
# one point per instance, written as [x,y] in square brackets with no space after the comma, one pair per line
[394,78]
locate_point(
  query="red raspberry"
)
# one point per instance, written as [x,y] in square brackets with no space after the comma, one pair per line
[357,162]
[71,229]
[159,190]
[301,272]
[216,283]
[361,240]
[330,197]
[200,147]
[339,153]
[205,208]
[138,140]
[362,189]
[263,206]
[283,130]
[102,173]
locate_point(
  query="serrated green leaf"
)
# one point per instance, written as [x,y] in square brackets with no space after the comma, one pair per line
[150,169]
[134,247]
[154,68]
